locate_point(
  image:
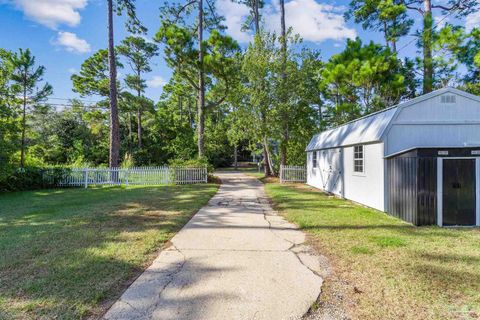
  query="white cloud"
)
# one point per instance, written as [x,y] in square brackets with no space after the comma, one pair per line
[51,13]
[472,21]
[235,15]
[72,70]
[72,43]
[156,82]
[313,21]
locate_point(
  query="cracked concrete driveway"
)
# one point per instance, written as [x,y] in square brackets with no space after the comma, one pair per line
[235,259]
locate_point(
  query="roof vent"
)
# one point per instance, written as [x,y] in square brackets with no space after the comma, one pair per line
[448,98]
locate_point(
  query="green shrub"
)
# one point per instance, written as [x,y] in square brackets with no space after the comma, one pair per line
[31,178]
[192,163]
[128,161]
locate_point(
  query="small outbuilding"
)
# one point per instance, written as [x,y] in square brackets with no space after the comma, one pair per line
[418,161]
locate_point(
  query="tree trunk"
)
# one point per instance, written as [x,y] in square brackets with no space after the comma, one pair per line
[139,116]
[282,26]
[284,114]
[284,146]
[190,117]
[266,166]
[114,125]
[24,125]
[130,132]
[256,17]
[385,34]
[139,126]
[201,84]
[427,47]
[235,156]
[394,38]
[269,157]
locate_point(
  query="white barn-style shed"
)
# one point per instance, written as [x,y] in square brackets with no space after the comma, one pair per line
[419,160]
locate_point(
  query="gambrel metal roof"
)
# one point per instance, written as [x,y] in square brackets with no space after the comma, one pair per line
[363,130]
[371,128]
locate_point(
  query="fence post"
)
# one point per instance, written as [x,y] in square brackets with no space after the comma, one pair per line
[205,174]
[86,178]
[126,177]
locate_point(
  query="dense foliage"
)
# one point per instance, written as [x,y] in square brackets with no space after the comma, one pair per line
[29,178]
[225,101]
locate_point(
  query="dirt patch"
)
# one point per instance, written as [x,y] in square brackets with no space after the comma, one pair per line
[270,180]
[336,299]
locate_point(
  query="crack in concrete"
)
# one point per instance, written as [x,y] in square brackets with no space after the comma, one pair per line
[291,241]
[296,254]
[293,245]
[142,314]
[171,276]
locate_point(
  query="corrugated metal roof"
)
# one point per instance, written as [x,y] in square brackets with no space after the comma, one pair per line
[371,127]
[363,130]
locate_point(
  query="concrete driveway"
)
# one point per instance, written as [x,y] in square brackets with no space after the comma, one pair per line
[235,259]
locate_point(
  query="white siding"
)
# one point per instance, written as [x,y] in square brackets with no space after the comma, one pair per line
[366,188]
[326,176]
[430,123]
[334,174]
[425,121]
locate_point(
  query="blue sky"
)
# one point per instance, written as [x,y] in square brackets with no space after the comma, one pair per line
[63,33]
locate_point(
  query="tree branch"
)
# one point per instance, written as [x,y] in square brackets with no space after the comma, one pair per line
[438,6]
[189,80]
[414,8]
[214,14]
[187,77]
[177,14]
[222,99]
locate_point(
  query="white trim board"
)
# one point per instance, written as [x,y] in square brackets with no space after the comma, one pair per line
[440,192]
[440,188]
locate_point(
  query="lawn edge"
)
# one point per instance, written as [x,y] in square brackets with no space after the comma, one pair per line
[104,306]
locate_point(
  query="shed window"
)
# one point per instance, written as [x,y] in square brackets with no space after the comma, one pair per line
[358,159]
[314,160]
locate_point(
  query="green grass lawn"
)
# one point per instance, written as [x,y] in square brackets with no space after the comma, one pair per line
[383,267]
[69,253]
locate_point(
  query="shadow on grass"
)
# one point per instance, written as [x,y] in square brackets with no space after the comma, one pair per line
[62,252]
[435,267]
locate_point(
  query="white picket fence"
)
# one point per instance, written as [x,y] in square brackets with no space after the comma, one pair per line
[84,177]
[293,174]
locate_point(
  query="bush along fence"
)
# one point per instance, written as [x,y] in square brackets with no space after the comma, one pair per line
[84,177]
[293,174]
[31,178]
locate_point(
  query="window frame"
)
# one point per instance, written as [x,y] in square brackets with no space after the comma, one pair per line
[359,159]
[314,159]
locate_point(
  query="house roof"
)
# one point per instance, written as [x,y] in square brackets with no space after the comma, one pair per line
[372,127]
[363,130]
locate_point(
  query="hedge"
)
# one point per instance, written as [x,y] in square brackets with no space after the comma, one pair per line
[31,178]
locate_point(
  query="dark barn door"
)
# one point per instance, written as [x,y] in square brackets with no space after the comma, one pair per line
[459,192]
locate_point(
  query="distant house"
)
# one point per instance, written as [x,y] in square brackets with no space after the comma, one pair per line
[418,161]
